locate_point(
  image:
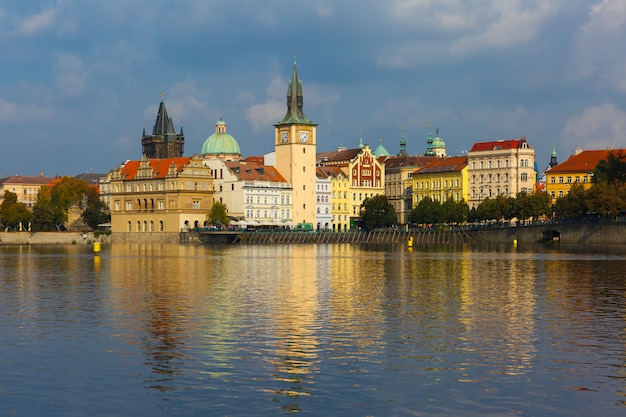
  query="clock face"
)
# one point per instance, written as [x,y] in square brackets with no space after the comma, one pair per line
[284,137]
[304,136]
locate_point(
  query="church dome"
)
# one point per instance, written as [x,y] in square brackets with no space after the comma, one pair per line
[380,150]
[221,144]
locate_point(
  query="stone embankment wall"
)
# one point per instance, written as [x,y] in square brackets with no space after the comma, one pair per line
[50,238]
[593,233]
[145,237]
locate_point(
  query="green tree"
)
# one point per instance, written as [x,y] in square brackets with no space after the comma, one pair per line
[377,212]
[572,205]
[454,212]
[96,214]
[44,213]
[218,214]
[14,215]
[612,169]
[427,211]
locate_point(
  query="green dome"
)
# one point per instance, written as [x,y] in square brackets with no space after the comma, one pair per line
[438,143]
[381,151]
[220,142]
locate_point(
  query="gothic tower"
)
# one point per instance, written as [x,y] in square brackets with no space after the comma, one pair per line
[164,142]
[295,145]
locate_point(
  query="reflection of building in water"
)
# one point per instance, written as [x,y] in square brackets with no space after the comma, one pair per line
[296,323]
[357,282]
[154,292]
[498,306]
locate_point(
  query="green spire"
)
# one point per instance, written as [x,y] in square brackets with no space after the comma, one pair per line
[295,100]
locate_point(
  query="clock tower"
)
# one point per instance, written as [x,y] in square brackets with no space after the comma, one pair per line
[295,148]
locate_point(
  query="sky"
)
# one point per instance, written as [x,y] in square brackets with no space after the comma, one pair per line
[82,79]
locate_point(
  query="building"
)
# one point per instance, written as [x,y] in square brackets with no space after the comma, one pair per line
[295,144]
[254,194]
[366,175]
[577,169]
[164,141]
[159,197]
[436,146]
[339,197]
[441,180]
[25,187]
[323,194]
[221,144]
[501,167]
[399,183]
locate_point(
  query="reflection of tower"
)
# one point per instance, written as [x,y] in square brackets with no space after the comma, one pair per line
[295,147]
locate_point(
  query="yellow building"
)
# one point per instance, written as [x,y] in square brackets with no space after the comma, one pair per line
[441,180]
[161,197]
[365,173]
[339,197]
[26,188]
[578,169]
[295,144]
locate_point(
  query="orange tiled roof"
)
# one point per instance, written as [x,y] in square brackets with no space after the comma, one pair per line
[160,167]
[585,161]
[251,171]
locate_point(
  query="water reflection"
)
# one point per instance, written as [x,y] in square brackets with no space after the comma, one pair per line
[320,329]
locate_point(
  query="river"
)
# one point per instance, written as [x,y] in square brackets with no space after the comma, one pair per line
[318,330]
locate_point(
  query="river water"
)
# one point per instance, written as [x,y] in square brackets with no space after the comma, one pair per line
[319,330]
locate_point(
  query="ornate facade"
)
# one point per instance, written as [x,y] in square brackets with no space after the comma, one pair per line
[159,196]
[502,167]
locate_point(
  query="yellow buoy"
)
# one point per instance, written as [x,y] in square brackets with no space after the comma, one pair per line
[410,242]
[514,242]
[96,247]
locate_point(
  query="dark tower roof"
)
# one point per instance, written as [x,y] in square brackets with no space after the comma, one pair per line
[295,101]
[163,125]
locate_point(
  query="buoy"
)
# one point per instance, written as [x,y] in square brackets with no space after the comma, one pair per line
[410,242]
[514,242]
[96,247]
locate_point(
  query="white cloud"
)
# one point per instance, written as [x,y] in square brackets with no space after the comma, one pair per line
[597,128]
[37,23]
[597,47]
[16,113]
[263,114]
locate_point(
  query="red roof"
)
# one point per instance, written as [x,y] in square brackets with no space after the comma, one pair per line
[498,145]
[585,161]
[160,167]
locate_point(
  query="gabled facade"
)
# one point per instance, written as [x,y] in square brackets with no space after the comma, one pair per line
[366,174]
[164,142]
[502,167]
[158,196]
[399,182]
[441,180]
[577,169]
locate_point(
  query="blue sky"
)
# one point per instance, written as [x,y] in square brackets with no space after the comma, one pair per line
[81,79]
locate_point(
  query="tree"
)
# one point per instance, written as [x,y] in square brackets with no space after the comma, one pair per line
[377,212]
[96,214]
[14,215]
[612,169]
[218,214]
[427,211]
[454,212]
[47,216]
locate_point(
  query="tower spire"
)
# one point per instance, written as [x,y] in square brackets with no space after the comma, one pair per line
[295,99]
[402,143]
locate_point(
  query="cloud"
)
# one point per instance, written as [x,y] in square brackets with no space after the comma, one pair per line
[37,23]
[597,127]
[17,113]
[597,54]
[458,28]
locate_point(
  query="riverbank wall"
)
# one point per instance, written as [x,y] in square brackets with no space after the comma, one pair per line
[51,238]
